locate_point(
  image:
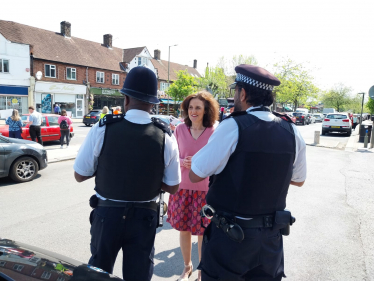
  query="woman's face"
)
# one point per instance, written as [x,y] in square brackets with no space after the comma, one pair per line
[196,111]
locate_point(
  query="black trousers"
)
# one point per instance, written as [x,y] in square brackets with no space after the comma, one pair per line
[35,134]
[259,257]
[131,229]
[64,134]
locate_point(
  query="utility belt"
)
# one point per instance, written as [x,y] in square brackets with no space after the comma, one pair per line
[233,226]
[160,207]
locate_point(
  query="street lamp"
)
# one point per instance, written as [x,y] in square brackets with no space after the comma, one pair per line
[169,72]
[362,106]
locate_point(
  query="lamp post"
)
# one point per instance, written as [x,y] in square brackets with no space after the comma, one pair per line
[362,107]
[169,73]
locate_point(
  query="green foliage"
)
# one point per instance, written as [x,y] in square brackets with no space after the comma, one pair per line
[369,106]
[339,97]
[297,85]
[214,81]
[182,87]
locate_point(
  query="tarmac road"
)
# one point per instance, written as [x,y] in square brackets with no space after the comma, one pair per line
[331,239]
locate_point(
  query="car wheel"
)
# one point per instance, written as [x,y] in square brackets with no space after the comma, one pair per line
[24,169]
[323,133]
[303,123]
[88,125]
[349,133]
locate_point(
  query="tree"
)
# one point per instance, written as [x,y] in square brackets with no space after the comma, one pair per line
[339,97]
[182,87]
[296,86]
[369,106]
[214,81]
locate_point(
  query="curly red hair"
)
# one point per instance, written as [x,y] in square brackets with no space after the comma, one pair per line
[211,108]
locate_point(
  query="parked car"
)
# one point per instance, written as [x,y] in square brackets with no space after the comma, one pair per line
[19,261]
[319,117]
[290,114]
[337,122]
[92,117]
[21,159]
[301,118]
[311,118]
[167,119]
[50,129]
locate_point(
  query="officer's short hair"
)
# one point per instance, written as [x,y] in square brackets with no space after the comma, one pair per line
[255,95]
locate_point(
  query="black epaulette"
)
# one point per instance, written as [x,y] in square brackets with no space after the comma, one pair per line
[110,118]
[162,125]
[236,113]
[285,117]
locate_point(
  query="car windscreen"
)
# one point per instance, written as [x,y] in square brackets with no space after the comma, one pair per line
[298,114]
[336,116]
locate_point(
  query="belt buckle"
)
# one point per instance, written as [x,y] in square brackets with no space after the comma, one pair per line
[268,221]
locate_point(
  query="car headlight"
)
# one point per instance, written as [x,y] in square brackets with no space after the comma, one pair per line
[36,145]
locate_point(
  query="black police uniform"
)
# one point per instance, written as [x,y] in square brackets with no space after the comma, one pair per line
[130,168]
[253,184]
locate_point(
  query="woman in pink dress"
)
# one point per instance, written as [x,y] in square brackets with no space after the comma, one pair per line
[200,114]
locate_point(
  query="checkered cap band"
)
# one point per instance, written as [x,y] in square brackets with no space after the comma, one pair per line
[250,81]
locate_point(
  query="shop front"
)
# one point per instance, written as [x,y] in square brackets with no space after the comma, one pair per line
[13,97]
[69,96]
[106,97]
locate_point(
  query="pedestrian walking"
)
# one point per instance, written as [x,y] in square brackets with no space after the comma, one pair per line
[104,112]
[254,156]
[201,113]
[65,122]
[117,110]
[132,158]
[35,121]
[15,125]
[57,109]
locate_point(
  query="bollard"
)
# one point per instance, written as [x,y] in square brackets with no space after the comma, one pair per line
[316,137]
[366,139]
[372,139]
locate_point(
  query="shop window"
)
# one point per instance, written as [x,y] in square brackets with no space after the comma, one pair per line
[50,71]
[164,86]
[18,267]
[46,275]
[115,79]
[14,102]
[53,121]
[99,77]
[71,73]
[4,66]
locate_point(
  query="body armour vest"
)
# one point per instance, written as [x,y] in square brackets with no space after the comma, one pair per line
[257,175]
[131,164]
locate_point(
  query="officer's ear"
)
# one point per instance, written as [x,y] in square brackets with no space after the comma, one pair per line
[243,95]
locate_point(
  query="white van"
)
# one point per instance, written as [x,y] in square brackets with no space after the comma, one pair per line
[328,110]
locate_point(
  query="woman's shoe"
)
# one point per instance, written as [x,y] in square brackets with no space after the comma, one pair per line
[186,273]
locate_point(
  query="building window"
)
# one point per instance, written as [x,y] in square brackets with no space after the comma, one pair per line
[18,267]
[50,71]
[61,278]
[139,61]
[2,263]
[164,86]
[115,79]
[46,275]
[71,73]
[4,66]
[99,77]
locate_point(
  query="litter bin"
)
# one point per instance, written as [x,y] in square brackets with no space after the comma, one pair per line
[363,127]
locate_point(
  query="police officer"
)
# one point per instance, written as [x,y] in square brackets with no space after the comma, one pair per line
[132,158]
[254,156]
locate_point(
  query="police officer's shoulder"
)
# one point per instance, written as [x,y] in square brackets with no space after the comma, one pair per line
[161,125]
[110,118]
[284,117]
[235,114]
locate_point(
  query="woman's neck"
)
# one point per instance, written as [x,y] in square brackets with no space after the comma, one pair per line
[197,126]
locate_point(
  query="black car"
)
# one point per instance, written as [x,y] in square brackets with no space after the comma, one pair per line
[19,261]
[21,159]
[92,117]
[302,118]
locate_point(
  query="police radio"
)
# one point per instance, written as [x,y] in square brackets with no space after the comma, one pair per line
[221,114]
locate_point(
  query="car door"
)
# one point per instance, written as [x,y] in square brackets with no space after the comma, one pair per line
[2,157]
[53,128]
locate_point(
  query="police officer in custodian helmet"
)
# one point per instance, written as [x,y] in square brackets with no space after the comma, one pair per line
[132,157]
[254,156]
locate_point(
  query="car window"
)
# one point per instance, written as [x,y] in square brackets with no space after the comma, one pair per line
[53,120]
[94,113]
[25,118]
[44,123]
[336,116]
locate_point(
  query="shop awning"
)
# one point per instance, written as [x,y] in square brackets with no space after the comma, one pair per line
[287,108]
[105,92]
[166,101]
[14,90]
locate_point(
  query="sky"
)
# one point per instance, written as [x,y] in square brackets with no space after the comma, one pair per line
[333,39]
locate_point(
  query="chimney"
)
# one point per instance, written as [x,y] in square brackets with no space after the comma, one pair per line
[157,55]
[195,64]
[66,28]
[108,40]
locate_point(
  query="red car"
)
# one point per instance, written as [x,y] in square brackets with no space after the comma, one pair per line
[293,118]
[50,129]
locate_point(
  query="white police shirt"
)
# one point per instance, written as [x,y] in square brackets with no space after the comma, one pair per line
[88,155]
[213,157]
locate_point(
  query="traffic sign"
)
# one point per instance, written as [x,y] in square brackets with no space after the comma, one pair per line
[371,92]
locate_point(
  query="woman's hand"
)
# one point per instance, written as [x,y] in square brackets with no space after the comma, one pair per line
[187,162]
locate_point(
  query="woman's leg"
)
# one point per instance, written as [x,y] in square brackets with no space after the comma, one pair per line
[62,138]
[186,244]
